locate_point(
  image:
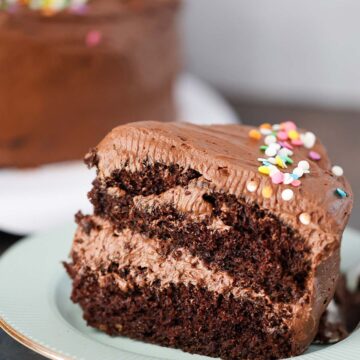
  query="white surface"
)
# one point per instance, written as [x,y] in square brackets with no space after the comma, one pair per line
[299,51]
[48,317]
[36,199]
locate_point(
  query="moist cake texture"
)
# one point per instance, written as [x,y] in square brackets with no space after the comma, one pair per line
[68,77]
[194,245]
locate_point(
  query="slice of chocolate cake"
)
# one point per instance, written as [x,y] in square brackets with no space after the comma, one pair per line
[202,242]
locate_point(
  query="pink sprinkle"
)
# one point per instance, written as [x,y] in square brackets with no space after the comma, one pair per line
[288,125]
[313,155]
[277,178]
[282,135]
[285,144]
[296,183]
[297,142]
[93,38]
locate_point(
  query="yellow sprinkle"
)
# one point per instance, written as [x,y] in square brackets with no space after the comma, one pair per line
[280,162]
[264,170]
[265,126]
[293,134]
[267,192]
[255,134]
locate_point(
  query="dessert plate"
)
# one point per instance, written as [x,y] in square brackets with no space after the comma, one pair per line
[53,193]
[36,310]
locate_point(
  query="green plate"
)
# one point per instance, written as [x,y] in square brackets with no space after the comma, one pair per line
[36,310]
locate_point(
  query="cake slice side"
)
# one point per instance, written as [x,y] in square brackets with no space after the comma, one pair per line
[261,278]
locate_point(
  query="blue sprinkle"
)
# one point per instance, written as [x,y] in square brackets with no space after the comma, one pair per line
[266,163]
[341,193]
[294,176]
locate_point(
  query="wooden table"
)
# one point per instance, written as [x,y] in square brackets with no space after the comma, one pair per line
[338,129]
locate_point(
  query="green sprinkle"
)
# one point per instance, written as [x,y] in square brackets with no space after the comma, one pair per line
[263,147]
[289,160]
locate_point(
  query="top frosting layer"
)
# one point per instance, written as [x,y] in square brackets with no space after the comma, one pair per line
[226,156]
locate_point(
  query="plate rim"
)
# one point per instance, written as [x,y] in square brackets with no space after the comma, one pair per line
[20,332]
[31,344]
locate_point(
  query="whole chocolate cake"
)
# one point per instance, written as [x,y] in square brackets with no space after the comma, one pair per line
[73,70]
[219,240]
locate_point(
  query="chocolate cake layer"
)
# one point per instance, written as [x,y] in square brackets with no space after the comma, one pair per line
[191,246]
[61,95]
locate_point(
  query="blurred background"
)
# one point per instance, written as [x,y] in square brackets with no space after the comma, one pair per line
[271,61]
[284,60]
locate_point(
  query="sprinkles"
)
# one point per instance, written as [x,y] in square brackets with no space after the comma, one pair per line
[267,192]
[313,155]
[341,193]
[287,194]
[46,7]
[93,38]
[280,142]
[252,186]
[337,170]
[305,218]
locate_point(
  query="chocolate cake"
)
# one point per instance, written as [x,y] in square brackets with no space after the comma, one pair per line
[219,240]
[73,70]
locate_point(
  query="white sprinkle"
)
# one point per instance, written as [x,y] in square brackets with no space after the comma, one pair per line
[273,170]
[270,139]
[308,139]
[272,160]
[337,170]
[304,165]
[299,172]
[305,218]
[276,127]
[252,186]
[270,151]
[287,194]
[288,179]
[284,152]
[265,131]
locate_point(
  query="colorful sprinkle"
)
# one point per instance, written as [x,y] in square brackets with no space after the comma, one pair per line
[341,193]
[296,183]
[337,170]
[288,179]
[287,194]
[264,170]
[252,186]
[255,134]
[277,178]
[280,162]
[299,172]
[313,155]
[282,135]
[271,151]
[267,192]
[93,38]
[297,142]
[293,135]
[263,147]
[304,165]
[309,139]
[305,218]
[288,126]
[270,139]
[265,126]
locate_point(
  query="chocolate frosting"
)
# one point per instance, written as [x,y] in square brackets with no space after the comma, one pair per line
[60,96]
[227,159]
